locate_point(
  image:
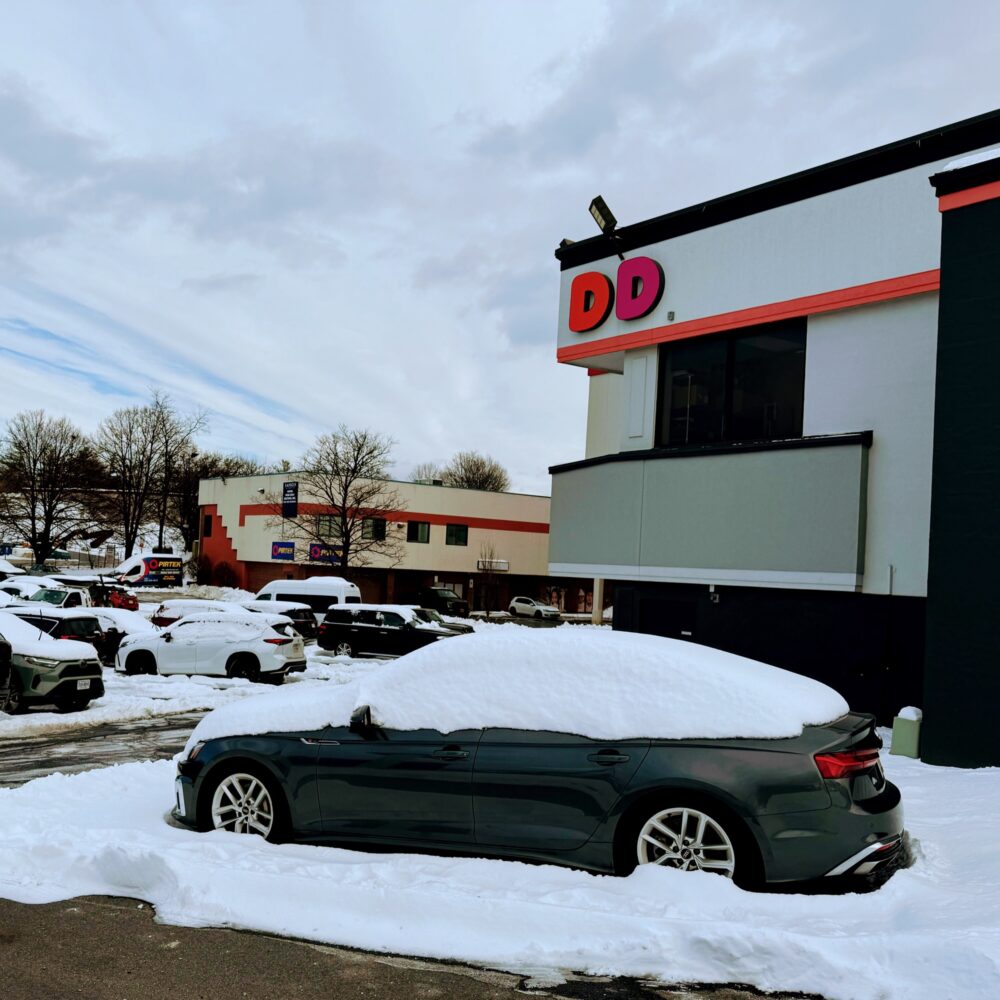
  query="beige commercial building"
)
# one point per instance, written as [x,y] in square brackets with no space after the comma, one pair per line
[486,546]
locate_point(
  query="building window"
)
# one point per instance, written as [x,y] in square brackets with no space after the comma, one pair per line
[744,386]
[456,534]
[327,526]
[418,531]
[206,526]
[373,529]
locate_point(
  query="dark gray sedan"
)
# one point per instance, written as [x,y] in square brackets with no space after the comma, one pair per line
[757,810]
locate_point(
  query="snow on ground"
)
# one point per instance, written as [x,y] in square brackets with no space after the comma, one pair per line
[144,696]
[932,931]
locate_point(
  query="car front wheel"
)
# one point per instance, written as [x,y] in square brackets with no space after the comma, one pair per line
[244,801]
[687,838]
[343,649]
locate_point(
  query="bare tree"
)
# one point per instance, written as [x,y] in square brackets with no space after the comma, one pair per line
[128,443]
[174,439]
[48,476]
[425,470]
[473,471]
[345,475]
[488,577]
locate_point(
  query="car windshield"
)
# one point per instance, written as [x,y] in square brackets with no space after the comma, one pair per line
[427,615]
[49,596]
[441,592]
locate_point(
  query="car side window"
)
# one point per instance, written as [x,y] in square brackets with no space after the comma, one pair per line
[368,617]
[393,620]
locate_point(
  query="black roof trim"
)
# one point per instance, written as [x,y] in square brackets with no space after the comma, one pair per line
[903,154]
[963,178]
[862,438]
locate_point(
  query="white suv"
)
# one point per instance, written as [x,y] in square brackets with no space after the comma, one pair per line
[254,646]
[527,607]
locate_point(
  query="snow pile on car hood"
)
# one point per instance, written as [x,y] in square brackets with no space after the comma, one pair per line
[572,679]
[598,683]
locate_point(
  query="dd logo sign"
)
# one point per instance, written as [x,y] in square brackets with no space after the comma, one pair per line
[640,283]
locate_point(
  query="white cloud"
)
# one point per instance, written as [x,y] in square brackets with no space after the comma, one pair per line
[300,215]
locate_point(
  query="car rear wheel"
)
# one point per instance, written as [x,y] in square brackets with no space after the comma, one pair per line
[243,800]
[687,838]
[343,649]
[244,665]
[14,702]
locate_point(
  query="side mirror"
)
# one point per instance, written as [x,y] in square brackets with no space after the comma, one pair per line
[168,637]
[361,720]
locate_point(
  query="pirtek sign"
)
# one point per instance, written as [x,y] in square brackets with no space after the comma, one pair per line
[591,296]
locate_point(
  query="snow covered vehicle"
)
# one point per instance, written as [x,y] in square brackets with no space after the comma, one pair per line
[597,749]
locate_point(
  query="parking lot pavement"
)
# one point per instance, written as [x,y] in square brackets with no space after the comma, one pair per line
[75,750]
[112,949]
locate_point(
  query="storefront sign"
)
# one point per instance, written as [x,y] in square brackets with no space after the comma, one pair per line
[290,500]
[283,550]
[640,285]
[326,553]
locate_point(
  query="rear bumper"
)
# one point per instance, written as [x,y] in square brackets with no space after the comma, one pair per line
[835,841]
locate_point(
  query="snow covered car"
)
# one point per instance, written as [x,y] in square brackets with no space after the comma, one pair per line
[171,611]
[528,607]
[587,747]
[255,646]
[47,671]
[23,587]
[383,630]
[70,623]
[430,616]
[301,615]
[116,623]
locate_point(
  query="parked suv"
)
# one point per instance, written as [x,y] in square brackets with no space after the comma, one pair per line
[46,671]
[444,600]
[382,630]
[70,623]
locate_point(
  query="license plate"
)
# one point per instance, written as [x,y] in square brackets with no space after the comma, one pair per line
[82,685]
[180,796]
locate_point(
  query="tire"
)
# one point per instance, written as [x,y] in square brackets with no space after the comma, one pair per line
[140,662]
[343,649]
[538,615]
[220,805]
[690,834]
[13,704]
[244,665]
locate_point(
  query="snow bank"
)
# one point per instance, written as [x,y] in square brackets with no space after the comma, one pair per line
[598,683]
[931,932]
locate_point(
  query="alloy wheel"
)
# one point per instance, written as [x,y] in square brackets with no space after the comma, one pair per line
[343,649]
[15,697]
[688,839]
[242,804]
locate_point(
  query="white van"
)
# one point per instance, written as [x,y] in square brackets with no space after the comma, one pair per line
[319,592]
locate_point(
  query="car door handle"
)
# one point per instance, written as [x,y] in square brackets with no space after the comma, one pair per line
[608,757]
[450,754]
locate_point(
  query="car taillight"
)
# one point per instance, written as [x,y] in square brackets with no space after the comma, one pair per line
[278,642]
[844,763]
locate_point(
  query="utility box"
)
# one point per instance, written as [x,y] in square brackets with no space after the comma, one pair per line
[906,733]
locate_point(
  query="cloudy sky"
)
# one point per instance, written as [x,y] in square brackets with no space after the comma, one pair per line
[295,215]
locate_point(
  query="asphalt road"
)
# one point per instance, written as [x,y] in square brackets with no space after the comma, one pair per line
[100,948]
[82,749]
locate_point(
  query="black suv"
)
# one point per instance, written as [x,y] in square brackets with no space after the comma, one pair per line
[376,630]
[77,625]
[444,600]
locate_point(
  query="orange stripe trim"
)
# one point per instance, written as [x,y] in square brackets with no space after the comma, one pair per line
[494,523]
[970,196]
[842,298]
